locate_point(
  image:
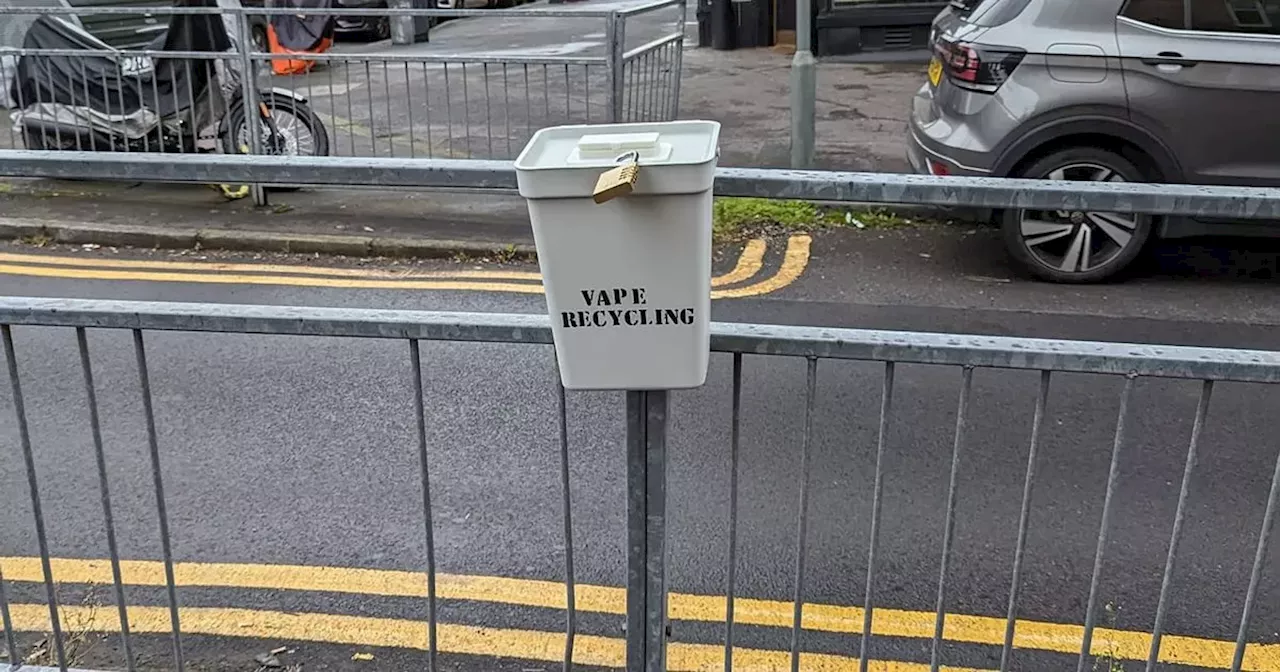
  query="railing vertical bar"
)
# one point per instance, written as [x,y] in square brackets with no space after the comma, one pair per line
[426,109]
[546,94]
[940,615]
[408,99]
[95,429]
[33,489]
[386,85]
[191,100]
[119,88]
[568,94]
[373,120]
[1113,475]
[506,105]
[1024,516]
[84,81]
[877,497]
[570,589]
[1179,516]
[448,110]
[466,108]
[586,92]
[802,523]
[528,102]
[1259,559]
[351,106]
[153,446]
[735,441]
[415,356]
[488,108]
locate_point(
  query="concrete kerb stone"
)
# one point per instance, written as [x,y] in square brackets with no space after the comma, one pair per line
[115,235]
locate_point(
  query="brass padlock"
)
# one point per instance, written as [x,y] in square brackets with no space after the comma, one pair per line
[618,181]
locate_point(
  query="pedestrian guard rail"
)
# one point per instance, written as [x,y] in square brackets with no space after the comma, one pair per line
[648,429]
[650,605]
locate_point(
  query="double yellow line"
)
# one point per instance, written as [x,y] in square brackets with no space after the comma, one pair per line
[1120,645]
[729,285]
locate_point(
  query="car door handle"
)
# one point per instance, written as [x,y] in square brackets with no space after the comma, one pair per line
[1170,58]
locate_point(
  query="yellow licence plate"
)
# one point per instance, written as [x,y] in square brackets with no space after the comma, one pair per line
[935,71]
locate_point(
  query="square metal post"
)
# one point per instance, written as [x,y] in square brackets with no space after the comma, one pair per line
[646,531]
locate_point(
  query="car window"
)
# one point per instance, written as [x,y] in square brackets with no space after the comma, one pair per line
[1163,13]
[1236,16]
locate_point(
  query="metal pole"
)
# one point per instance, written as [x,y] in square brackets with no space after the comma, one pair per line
[616,39]
[249,89]
[646,531]
[804,88]
[404,28]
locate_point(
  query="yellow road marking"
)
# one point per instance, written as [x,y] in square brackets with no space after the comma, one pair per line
[234,279]
[460,639]
[749,263]
[1031,635]
[794,262]
[282,269]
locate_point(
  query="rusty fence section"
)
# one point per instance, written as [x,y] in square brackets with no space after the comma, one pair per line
[886,360]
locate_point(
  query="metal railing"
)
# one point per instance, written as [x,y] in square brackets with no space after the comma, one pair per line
[449,98]
[895,354]
[823,186]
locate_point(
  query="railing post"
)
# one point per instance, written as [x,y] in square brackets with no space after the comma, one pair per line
[249,88]
[678,74]
[646,531]
[404,28]
[616,41]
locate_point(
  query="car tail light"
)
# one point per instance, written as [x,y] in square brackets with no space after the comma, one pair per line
[939,168]
[977,67]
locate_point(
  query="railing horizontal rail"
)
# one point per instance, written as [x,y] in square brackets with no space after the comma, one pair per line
[855,344]
[584,13]
[650,46]
[345,57]
[834,186]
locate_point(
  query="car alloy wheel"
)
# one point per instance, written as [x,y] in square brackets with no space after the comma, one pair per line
[1077,241]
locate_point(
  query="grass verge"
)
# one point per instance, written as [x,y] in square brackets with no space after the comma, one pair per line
[738,218]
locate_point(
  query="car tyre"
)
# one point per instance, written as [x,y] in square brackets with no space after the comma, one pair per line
[1075,246]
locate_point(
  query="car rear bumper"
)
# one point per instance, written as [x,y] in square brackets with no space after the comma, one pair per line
[939,145]
[357,24]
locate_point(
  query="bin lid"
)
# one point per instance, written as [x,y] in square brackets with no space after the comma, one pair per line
[670,143]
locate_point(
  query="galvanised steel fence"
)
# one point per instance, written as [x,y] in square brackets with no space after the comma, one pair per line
[1111,399]
[891,356]
[456,96]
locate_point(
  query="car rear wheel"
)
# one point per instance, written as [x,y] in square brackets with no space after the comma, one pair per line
[1076,246]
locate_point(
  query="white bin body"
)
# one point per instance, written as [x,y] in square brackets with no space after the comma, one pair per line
[628,282]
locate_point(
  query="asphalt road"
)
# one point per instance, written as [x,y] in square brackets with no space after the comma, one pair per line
[301,451]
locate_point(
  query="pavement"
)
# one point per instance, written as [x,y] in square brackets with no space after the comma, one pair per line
[464,106]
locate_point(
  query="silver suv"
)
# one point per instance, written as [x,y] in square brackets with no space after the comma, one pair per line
[1119,90]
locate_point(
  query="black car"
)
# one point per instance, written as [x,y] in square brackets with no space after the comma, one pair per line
[367,26]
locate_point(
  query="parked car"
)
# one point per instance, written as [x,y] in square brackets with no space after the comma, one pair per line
[367,26]
[1179,91]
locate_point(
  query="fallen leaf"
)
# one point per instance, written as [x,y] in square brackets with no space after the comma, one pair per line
[362,656]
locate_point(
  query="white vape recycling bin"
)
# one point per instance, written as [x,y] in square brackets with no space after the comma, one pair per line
[628,281]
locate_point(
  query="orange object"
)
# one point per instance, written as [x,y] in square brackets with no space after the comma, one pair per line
[293,66]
